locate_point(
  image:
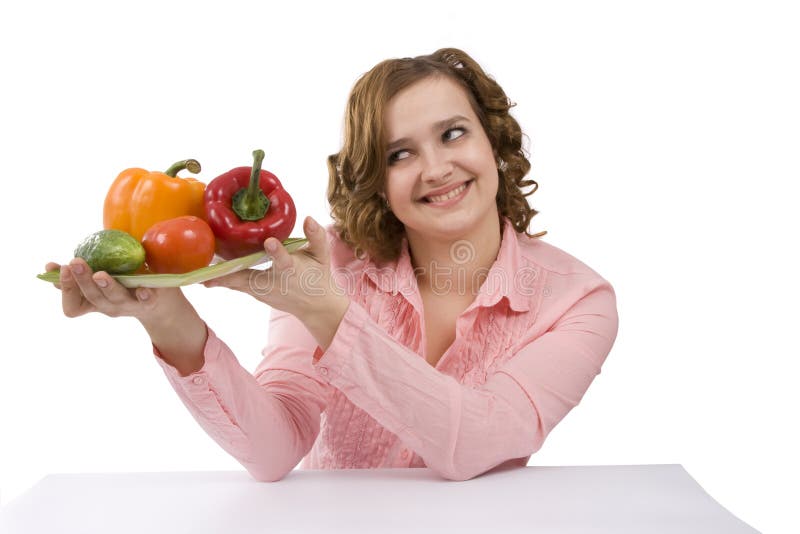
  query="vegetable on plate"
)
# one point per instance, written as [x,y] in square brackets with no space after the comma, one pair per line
[245,206]
[178,245]
[137,199]
[113,251]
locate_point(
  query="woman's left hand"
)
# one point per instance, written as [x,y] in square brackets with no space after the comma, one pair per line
[299,283]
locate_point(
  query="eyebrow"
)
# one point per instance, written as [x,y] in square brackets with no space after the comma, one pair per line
[436,126]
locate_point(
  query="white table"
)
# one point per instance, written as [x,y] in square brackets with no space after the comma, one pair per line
[651,499]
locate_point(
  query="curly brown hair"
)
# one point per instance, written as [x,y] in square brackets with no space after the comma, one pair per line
[357,171]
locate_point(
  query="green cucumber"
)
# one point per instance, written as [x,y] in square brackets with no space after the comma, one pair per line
[112,251]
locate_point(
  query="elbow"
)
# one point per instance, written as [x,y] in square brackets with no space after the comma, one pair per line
[269,468]
[461,471]
[267,474]
[510,453]
[461,474]
[271,460]
[458,475]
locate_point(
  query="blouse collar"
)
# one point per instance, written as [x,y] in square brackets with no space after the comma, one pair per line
[506,277]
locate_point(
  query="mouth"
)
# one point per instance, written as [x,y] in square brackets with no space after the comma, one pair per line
[456,191]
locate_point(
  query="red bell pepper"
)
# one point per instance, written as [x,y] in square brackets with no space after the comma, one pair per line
[245,206]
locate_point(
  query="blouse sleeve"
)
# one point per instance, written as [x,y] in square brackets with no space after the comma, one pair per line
[269,420]
[461,432]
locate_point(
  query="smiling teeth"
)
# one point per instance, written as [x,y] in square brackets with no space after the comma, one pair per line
[454,193]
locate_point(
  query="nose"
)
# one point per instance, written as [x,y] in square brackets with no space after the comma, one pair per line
[437,167]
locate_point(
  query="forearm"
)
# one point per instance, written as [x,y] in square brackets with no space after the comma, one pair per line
[459,431]
[324,320]
[266,422]
[179,335]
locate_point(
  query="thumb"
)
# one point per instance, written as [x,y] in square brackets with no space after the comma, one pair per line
[317,240]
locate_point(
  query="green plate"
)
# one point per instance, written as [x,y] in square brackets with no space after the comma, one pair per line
[192,277]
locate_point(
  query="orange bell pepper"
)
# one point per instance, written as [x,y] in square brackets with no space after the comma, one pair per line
[139,198]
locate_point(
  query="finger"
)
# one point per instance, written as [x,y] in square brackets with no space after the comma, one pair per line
[72,302]
[145,296]
[148,297]
[281,259]
[113,291]
[53,266]
[82,275]
[317,240]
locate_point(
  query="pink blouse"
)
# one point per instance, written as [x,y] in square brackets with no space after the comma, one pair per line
[525,352]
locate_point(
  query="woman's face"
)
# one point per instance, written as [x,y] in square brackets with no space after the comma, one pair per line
[441,177]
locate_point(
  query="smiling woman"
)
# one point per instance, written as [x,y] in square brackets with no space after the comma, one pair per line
[438,332]
[444,187]
[425,327]
[378,137]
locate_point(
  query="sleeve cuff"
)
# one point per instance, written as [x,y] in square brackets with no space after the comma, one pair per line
[199,378]
[331,362]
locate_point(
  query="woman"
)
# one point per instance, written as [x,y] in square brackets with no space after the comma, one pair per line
[425,327]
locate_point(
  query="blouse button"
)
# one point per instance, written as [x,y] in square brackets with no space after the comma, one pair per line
[323,371]
[198,381]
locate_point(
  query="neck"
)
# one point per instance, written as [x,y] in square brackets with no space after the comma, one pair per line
[455,266]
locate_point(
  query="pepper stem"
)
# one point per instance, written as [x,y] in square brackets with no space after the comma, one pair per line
[191,165]
[250,203]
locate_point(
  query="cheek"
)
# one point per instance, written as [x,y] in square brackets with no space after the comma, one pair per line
[492,181]
[397,186]
[485,165]
[480,155]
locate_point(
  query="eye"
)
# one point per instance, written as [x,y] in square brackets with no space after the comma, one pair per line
[453,133]
[397,156]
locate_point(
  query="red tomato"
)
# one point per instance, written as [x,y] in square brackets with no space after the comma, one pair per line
[178,245]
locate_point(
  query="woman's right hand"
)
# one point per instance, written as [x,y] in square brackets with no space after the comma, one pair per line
[83,291]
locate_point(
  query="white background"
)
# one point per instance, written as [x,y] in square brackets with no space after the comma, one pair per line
[664,137]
